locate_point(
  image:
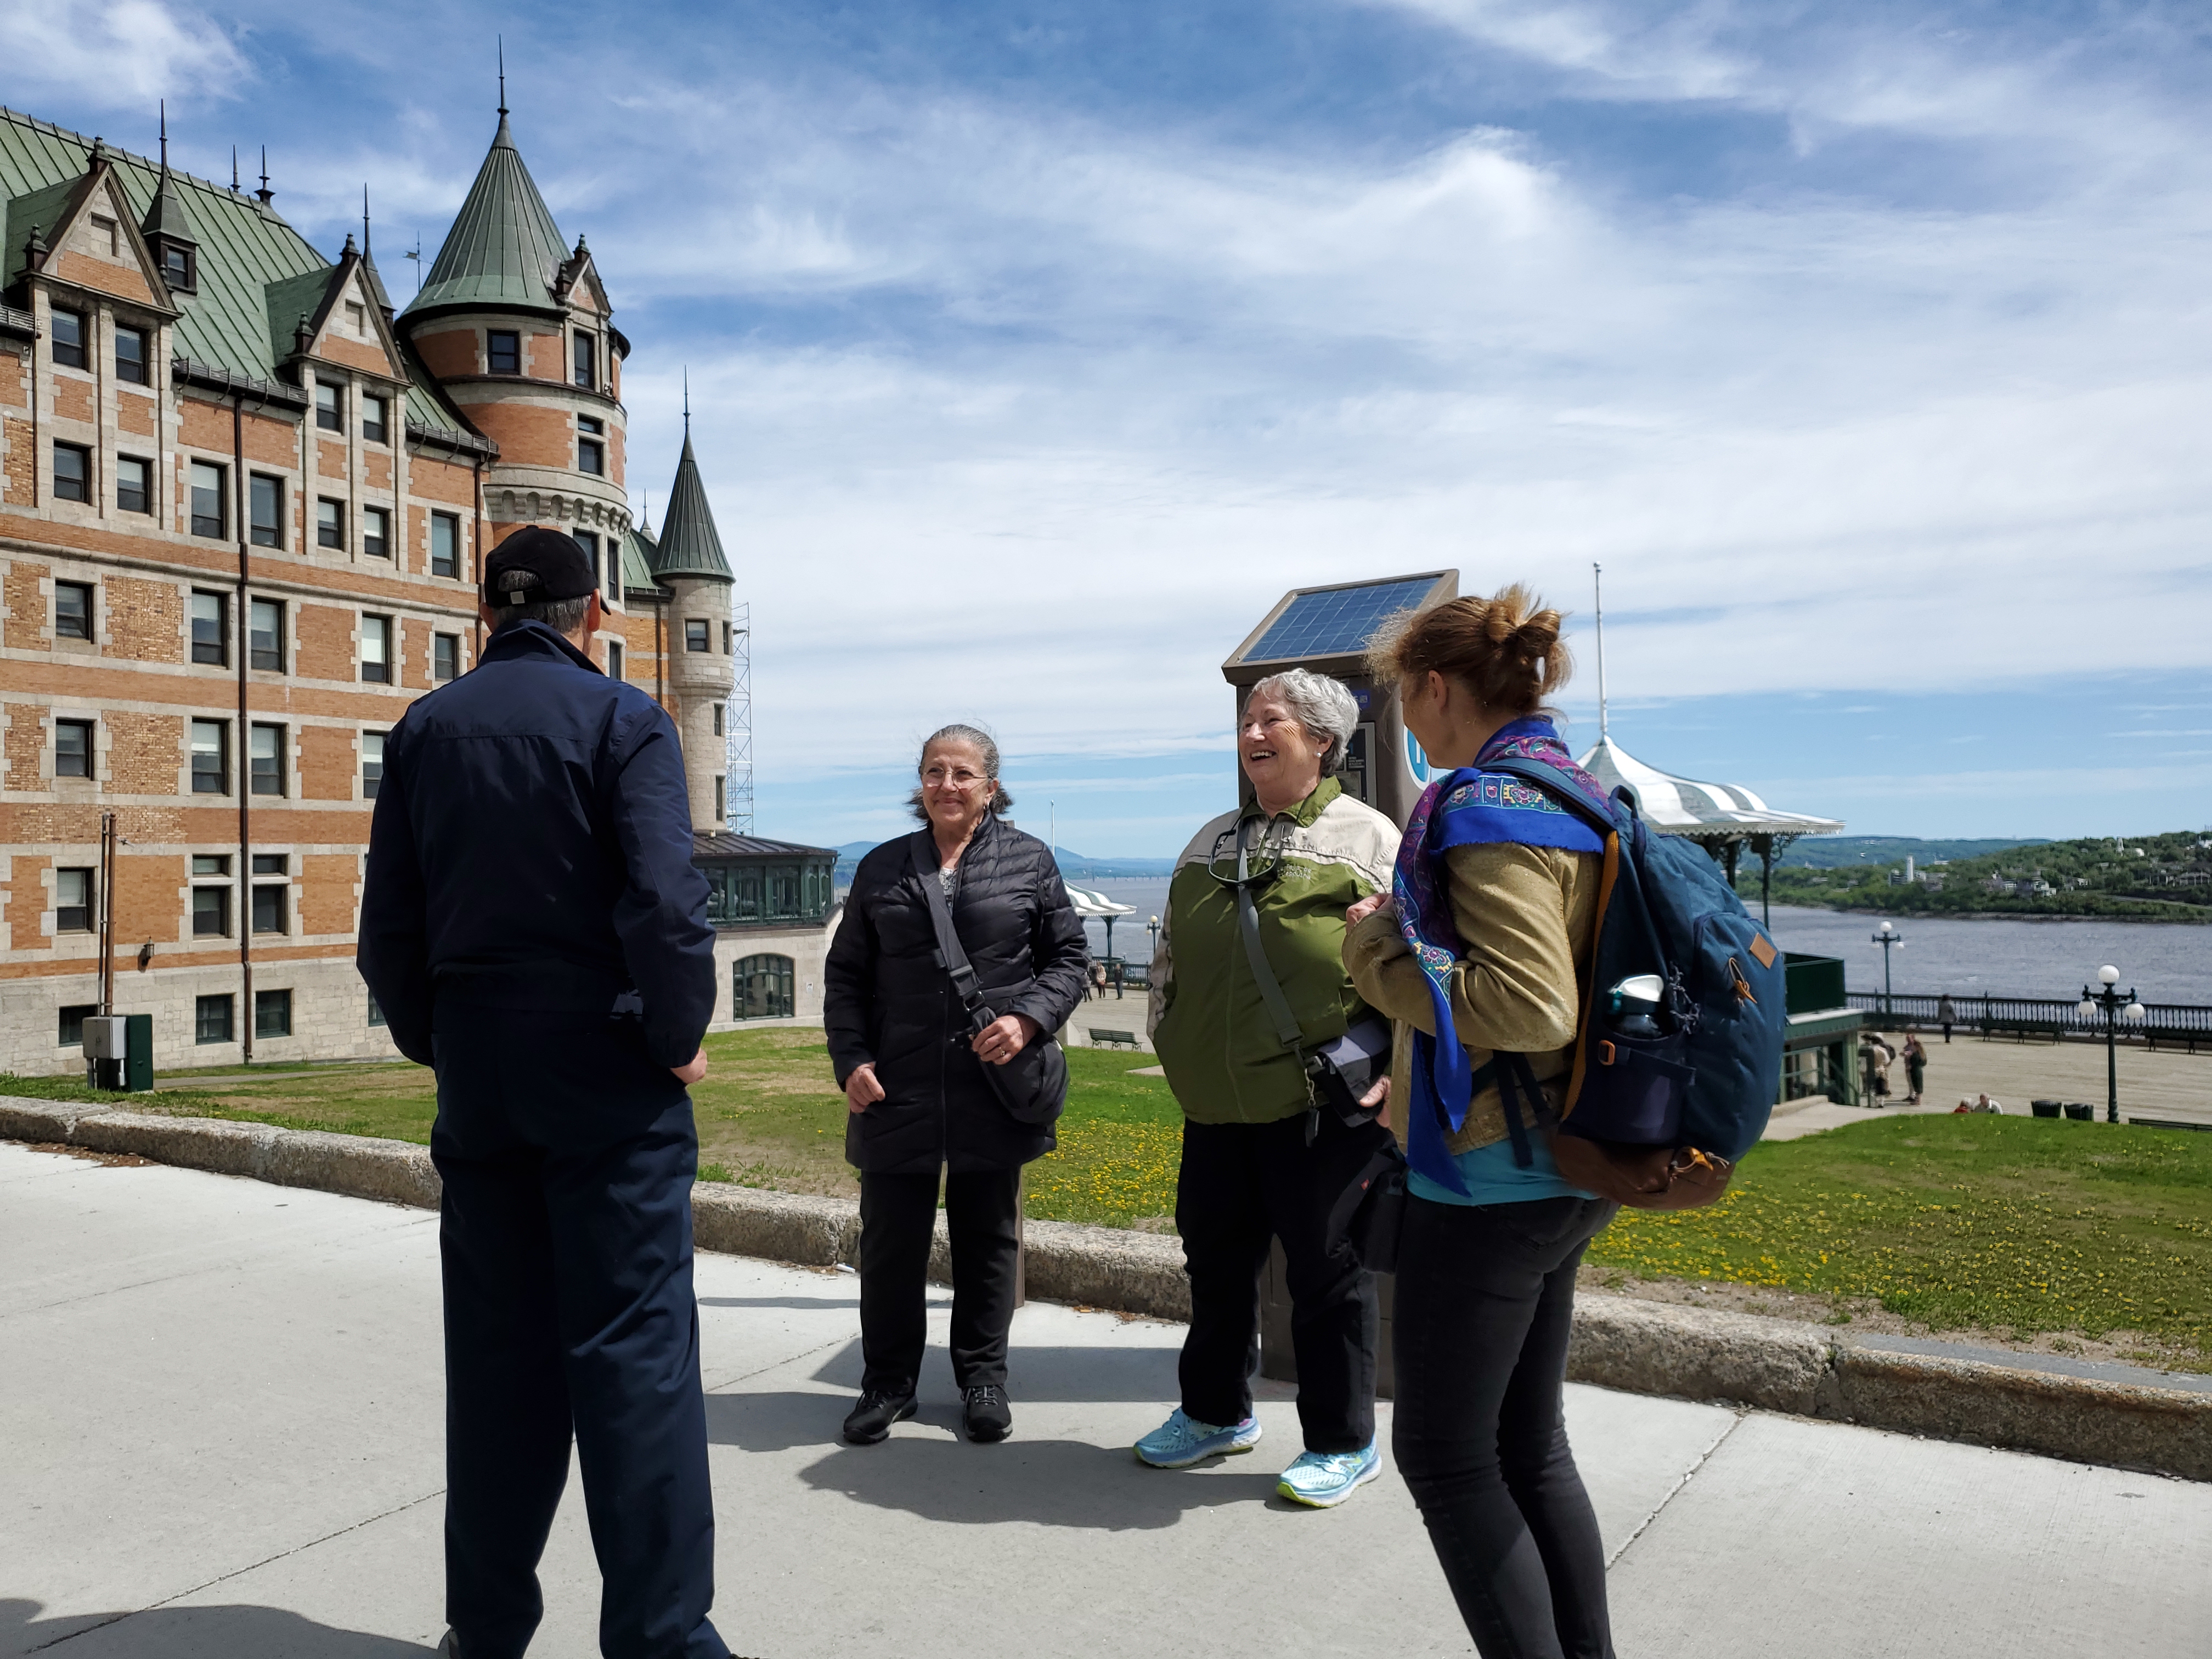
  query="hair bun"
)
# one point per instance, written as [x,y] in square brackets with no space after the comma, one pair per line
[1506,649]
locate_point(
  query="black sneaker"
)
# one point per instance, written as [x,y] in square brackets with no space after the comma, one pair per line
[984,1410]
[871,1420]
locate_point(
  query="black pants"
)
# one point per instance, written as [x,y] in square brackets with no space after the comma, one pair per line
[1243,1184]
[565,1232]
[899,1214]
[1486,1298]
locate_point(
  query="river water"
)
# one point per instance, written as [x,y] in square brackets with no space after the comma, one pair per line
[2163,962]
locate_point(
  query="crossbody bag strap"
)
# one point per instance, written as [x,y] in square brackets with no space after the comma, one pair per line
[950,956]
[1271,991]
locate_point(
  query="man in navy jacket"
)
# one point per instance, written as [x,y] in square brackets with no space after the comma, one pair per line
[533,927]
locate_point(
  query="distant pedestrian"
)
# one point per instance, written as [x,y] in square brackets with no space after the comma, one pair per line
[1916,1064]
[1947,1016]
[1879,1055]
[1985,1104]
[1098,983]
[910,1059]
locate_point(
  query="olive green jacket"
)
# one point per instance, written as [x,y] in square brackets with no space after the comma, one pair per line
[1527,918]
[1216,1041]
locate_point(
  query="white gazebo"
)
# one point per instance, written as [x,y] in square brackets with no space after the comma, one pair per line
[1723,818]
[1089,902]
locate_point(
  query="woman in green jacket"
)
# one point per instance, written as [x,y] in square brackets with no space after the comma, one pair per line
[1259,1161]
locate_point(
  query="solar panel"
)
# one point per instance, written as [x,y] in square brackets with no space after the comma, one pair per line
[1335,621]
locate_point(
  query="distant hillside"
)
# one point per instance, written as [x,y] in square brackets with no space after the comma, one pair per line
[2163,878]
[1830,852]
[1073,866]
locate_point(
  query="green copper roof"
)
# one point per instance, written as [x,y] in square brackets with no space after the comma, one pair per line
[638,550]
[504,248]
[690,546]
[167,218]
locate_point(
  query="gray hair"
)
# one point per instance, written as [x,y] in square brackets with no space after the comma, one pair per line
[985,745]
[562,615]
[1326,707]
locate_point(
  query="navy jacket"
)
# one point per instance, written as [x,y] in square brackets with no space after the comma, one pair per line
[531,848]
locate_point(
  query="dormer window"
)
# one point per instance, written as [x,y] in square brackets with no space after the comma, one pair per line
[357,319]
[177,266]
[591,445]
[587,360]
[502,351]
[112,232]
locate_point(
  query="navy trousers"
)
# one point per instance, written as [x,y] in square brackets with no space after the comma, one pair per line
[565,1232]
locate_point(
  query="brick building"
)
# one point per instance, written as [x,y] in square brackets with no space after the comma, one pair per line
[242,504]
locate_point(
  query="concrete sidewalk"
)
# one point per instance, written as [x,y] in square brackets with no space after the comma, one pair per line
[220,1434]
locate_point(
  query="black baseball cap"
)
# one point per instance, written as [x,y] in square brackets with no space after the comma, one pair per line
[554,566]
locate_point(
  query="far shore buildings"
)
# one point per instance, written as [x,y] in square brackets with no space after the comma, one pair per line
[243,502]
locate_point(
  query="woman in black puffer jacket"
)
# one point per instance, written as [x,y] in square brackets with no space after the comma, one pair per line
[911,1070]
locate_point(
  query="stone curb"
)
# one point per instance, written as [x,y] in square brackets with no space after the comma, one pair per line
[1642,1347]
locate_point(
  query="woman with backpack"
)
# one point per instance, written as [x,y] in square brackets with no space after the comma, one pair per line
[910,1057]
[1507,882]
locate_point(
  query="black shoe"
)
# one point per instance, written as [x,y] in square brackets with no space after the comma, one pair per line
[871,1420]
[984,1412]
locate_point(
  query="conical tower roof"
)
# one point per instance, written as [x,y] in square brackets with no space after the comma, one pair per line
[688,544]
[504,248]
[167,218]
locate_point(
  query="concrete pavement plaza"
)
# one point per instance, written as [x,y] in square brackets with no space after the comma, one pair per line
[221,1435]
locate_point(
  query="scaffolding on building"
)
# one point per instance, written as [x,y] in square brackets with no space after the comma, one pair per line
[737,808]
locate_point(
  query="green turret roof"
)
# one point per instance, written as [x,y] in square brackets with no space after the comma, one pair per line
[167,218]
[504,248]
[689,544]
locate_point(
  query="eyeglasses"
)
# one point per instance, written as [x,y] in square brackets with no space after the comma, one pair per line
[1237,863]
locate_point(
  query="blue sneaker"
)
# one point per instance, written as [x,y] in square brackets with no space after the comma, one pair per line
[1182,1441]
[1322,1480]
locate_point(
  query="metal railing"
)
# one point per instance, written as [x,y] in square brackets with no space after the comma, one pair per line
[2046,1017]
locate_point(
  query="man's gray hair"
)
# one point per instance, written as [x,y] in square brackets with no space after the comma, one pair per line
[1326,707]
[562,615]
[986,746]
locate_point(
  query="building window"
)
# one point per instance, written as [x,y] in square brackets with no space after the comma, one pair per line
[177,266]
[272,864]
[718,719]
[112,231]
[376,532]
[211,501]
[211,628]
[330,406]
[68,337]
[72,900]
[718,792]
[761,988]
[72,611]
[211,1019]
[503,351]
[72,749]
[269,897]
[586,360]
[210,757]
[726,639]
[130,354]
[72,472]
[330,524]
[266,496]
[72,1023]
[783,895]
[264,637]
[590,543]
[591,445]
[265,760]
[210,912]
[133,485]
[376,649]
[614,660]
[374,412]
[375,1013]
[445,656]
[445,544]
[372,764]
[694,634]
[272,1013]
[357,316]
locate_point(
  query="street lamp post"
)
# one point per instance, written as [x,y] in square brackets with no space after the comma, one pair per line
[1889,939]
[2116,1007]
[1152,927]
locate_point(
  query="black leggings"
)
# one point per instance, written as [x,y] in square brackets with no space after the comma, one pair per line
[1486,1299]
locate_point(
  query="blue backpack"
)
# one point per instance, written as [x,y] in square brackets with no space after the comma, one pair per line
[1677,1056]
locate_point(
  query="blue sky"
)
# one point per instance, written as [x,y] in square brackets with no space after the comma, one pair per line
[1035,349]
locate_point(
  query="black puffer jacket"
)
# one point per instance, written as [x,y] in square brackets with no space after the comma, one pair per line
[886,1000]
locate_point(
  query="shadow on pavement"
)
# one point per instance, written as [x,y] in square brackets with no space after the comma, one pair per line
[1067,1375]
[209,1632]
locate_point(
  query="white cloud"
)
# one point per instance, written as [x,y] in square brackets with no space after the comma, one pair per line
[117,54]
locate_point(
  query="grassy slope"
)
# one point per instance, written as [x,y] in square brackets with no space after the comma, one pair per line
[2120,886]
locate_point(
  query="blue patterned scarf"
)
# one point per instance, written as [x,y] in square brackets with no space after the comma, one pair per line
[1468,807]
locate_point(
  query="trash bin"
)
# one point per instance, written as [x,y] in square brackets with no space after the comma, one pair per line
[2081,1111]
[138,1052]
[2045,1108]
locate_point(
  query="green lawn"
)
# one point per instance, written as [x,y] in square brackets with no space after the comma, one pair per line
[1995,1222]
[1959,1221]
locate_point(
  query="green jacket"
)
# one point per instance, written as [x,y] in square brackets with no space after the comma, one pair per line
[1216,1040]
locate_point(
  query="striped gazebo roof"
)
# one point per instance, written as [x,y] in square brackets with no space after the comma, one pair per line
[1687,806]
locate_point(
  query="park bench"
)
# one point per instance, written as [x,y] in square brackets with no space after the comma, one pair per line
[1101,1038]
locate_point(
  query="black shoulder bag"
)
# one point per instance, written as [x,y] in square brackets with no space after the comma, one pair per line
[1033,1085]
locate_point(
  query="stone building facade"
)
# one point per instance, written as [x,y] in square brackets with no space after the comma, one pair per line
[243,502]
